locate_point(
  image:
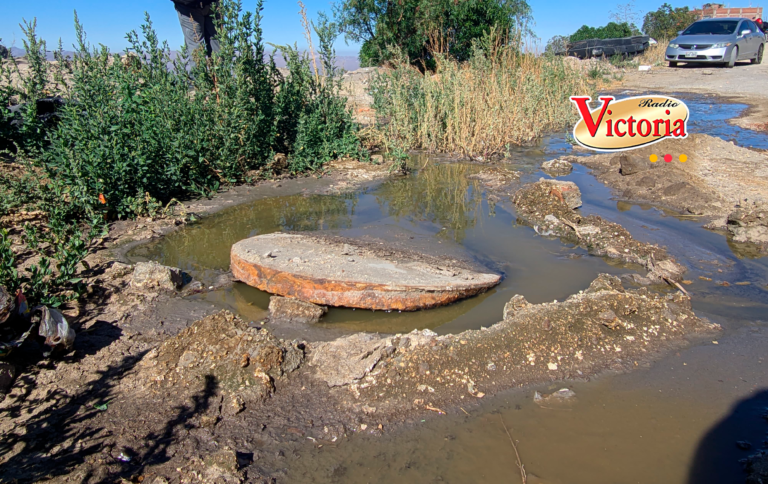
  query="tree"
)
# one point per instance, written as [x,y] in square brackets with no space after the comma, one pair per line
[557,44]
[625,13]
[665,22]
[610,31]
[421,28]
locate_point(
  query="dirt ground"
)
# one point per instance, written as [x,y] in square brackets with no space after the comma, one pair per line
[745,83]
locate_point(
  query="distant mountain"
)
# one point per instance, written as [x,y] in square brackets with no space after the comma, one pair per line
[347,62]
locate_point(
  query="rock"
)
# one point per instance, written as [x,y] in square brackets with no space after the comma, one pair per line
[294,311]
[749,225]
[377,159]
[744,445]
[636,279]
[564,395]
[605,282]
[222,467]
[557,167]
[664,270]
[279,163]
[517,302]
[348,359]
[631,164]
[565,191]
[8,374]
[6,304]
[153,276]
[647,182]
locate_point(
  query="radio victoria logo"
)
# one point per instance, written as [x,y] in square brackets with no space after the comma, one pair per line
[625,124]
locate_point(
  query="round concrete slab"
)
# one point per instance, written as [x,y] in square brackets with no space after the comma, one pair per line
[332,273]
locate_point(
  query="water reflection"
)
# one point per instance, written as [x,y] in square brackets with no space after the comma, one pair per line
[441,194]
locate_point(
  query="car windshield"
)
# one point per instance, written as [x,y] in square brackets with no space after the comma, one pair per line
[724,27]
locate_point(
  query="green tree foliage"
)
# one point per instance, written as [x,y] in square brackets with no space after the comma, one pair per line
[665,22]
[612,30]
[421,28]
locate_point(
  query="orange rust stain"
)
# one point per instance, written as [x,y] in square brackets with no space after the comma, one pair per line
[348,294]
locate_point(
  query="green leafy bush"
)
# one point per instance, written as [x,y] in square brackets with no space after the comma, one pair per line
[142,129]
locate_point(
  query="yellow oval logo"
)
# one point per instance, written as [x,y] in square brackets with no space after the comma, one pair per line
[625,124]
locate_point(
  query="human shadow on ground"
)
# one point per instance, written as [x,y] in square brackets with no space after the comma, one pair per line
[68,431]
[740,434]
[57,433]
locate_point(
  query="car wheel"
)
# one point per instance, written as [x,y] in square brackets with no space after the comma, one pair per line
[672,64]
[734,56]
[759,58]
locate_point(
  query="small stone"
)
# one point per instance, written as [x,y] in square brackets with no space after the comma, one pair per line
[552,366]
[154,276]
[363,426]
[564,395]
[557,167]
[743,445]
[491,366]
[289,310]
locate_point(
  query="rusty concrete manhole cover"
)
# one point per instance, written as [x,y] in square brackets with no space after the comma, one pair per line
[347,275]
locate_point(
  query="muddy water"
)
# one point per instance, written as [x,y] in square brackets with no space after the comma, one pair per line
[676,421]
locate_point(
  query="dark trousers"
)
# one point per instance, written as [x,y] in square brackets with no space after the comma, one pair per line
[197,25]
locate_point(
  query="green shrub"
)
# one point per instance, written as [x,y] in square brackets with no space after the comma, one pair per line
[143,129]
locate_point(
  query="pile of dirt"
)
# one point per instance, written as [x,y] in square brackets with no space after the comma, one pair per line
[605,327]
[244,360]
[716,179]
[548,206]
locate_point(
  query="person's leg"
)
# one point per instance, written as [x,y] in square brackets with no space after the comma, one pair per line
[193,26]
[211,41]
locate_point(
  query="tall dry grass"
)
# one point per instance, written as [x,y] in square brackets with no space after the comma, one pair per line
[653,55]
[501,97]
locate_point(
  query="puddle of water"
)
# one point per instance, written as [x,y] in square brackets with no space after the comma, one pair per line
[440,208]
[607,436]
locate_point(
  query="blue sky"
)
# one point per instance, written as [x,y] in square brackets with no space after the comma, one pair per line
[107,22]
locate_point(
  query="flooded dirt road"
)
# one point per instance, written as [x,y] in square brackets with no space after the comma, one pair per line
[688,418]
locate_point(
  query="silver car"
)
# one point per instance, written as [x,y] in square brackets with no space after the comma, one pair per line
[718,40]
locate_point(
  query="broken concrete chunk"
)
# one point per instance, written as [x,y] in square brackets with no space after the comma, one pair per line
[295,311]
[154,276]
[631,164]
[565,191]
[605,282]
[666,270]
[557,167]
[517,302]
[348,359]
